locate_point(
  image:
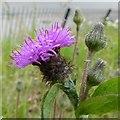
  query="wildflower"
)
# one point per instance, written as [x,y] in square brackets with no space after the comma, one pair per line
[30,53]
[45,52]
[55,69]
[19,86]
[57,37]
[95,75]
[95,39]
[78,19]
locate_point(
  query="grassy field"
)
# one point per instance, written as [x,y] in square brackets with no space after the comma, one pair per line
[34,87]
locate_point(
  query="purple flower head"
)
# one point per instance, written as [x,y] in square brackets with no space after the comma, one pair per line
[34,52]
[31,52]
[56,36]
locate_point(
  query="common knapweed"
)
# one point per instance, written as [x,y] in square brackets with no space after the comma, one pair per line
[45,52]
[78,19]
[95,39]
[96,73]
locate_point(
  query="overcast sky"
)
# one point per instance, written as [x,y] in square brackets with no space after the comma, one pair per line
[60,0]
[82,5]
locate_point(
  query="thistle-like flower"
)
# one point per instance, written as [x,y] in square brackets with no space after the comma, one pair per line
[95,39]
[45,52]
[95,75]
[57,37]
[31,53]
[78,19]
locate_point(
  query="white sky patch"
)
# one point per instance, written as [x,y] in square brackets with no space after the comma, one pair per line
[60,0]
[82,5]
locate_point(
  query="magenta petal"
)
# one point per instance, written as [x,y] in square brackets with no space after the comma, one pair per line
[44,47]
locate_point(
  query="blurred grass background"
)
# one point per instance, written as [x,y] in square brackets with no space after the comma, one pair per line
[31,77]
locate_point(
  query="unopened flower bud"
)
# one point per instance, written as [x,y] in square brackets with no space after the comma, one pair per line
[19,86]
[78,19]
[95,39]
[95,75]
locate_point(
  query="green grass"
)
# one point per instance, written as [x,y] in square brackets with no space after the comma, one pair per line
[31,78]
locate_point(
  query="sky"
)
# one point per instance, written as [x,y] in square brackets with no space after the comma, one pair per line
[60,0]
[82,5]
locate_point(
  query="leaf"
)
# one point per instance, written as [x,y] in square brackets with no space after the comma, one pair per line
[48,101]
[98,105]
[107,87]
[42,104]
[69,89]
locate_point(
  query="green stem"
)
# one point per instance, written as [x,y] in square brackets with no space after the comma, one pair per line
[83,88]
[17,103]
[75,46]
[86,91]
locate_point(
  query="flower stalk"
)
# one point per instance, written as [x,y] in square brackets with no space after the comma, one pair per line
[17,104]
[83,88]
[95,41]
[78,21]
[75,46]
[19,87]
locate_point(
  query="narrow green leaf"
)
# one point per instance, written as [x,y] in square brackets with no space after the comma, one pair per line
[42,104]
[48,101]
[98,105]
[69,89]
[107,87]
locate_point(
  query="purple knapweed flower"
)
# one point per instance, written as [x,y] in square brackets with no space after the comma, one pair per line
[40,50]
[31,52]
[56,36]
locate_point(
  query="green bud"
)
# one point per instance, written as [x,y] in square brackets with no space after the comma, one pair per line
[19,86]
[78,19]
[95,75]
[95,39]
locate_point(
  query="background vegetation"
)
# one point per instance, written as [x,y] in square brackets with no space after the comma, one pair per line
[31,77]
[33,88]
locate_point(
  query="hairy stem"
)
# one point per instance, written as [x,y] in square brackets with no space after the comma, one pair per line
[75,46]
[83,88]
[86,91]
[17,103]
